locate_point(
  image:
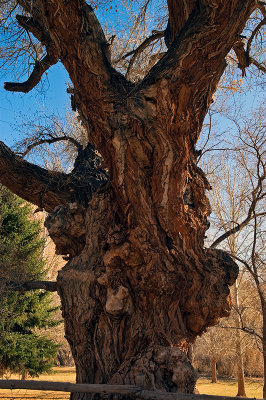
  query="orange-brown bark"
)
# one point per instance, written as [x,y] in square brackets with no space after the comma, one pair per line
[139,285]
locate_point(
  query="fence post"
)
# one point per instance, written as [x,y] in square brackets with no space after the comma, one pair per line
[140,381]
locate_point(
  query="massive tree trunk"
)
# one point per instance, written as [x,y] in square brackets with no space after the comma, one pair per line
[139,285]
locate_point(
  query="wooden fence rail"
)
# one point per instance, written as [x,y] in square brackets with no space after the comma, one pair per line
[132,390]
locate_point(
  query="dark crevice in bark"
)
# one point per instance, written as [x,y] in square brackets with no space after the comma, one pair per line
[139,285]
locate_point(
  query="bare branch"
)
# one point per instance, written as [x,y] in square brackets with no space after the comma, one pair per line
[141,48]
[155,36]
[35,77]
[49,286]
[41,66]
[257,195]
[257,64]
[244,329]
[255,31]
[50,141]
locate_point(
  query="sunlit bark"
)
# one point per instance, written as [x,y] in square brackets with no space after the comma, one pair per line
[139,285]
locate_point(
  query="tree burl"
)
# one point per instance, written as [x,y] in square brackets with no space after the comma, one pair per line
[139,285]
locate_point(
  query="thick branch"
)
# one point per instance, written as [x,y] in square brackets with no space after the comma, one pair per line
[179,11]
[199,50]
[35,77]
[77,34]
[262,7]
[41,66]
[31,285]
[132,391]
[31,25]
[41,187]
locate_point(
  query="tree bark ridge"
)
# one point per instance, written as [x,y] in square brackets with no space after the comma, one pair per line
[139,284]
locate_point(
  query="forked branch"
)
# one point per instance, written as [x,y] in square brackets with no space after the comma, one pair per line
[41,66]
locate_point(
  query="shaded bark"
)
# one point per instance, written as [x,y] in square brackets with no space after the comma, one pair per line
[139,285]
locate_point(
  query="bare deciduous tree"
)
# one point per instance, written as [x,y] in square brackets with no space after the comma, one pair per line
[238,201]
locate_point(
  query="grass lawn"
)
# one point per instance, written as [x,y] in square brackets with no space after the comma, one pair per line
[224,386]
[228,387]
[60,374]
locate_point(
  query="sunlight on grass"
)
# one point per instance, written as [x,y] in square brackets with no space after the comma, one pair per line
[60,374]
[224,387]
[228,387]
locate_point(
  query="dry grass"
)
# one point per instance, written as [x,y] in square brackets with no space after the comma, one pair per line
[60,374]
[228,387]
[225,386]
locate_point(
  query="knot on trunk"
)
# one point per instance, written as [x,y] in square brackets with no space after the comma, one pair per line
[223,265]
[174,360]
[124,254]
[66,227]
[118,301]
[162,368]
[209,299]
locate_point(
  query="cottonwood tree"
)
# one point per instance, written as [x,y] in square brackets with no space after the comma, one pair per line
[138,285]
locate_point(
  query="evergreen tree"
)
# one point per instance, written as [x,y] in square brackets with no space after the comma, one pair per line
[22,314]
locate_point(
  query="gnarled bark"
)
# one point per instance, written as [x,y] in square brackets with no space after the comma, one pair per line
[139,285]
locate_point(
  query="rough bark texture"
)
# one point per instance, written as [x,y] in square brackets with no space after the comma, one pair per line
[139,285]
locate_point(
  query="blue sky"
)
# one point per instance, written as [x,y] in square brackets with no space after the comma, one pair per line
[49,96]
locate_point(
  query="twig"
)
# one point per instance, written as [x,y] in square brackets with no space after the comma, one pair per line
[50,141]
